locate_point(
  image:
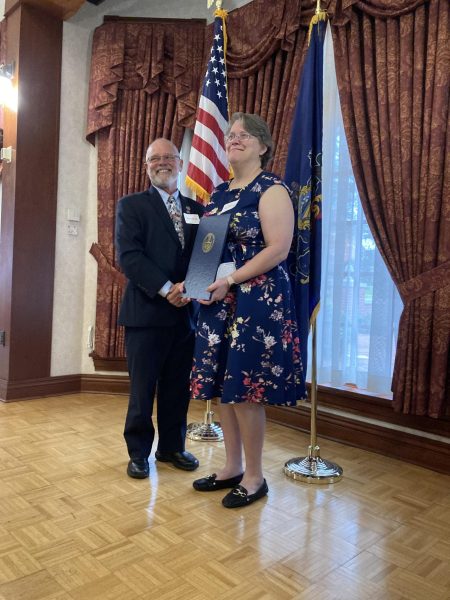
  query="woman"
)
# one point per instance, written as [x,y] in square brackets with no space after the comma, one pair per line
[246,342]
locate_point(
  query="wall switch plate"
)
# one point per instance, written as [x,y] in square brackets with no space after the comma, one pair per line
[2,338]
[73,214]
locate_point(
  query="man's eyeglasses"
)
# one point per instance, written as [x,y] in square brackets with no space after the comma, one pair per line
[240,137]
[164,157]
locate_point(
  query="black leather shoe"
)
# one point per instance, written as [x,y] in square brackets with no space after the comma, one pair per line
[240,497]
[181,460]
[138,468]
[211,483]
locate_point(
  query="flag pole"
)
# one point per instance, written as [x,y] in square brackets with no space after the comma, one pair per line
[312,468]
[209,430]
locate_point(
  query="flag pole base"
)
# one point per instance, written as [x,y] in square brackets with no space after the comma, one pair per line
[205,432]
[208,431]
[313,469]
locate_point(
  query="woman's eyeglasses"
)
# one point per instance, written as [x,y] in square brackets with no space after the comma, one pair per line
[164,157]
[243,136]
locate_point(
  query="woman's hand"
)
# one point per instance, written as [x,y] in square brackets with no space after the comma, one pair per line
[219,289]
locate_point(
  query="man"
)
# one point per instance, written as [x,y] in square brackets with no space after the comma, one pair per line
[155,232]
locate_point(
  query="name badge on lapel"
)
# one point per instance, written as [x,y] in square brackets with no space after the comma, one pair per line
[229,206]
[191,219]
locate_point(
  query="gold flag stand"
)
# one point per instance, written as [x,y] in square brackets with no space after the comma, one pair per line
[208,431]
[313,468]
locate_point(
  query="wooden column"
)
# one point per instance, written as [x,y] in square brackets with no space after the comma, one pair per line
[28,220]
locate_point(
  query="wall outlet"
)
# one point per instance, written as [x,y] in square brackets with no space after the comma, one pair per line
[72,229]
[2,338]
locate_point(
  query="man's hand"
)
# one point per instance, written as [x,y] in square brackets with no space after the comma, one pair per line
[174,295]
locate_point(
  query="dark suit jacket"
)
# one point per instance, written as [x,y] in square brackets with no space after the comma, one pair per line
[150,254]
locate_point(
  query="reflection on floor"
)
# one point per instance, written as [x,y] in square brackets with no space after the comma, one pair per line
[73,526]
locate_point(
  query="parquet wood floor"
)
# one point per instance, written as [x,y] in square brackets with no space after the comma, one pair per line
[73,526]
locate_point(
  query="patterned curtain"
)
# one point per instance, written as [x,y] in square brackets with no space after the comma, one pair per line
[144,84]
[392,65]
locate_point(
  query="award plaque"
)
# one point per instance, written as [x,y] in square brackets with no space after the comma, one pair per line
[206,254]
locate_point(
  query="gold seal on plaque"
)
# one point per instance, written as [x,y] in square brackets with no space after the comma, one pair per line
[208,242]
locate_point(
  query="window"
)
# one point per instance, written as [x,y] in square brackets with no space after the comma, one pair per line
[360,306]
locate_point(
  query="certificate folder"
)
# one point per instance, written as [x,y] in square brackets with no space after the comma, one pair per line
[206,255]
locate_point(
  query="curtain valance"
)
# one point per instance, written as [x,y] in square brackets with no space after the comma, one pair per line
[149,56]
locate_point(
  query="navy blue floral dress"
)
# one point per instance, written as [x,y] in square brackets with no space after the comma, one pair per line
[247,346]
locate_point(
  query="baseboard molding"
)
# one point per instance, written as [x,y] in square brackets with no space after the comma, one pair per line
[11,391]
[105,384]
[389,439]
[417,448]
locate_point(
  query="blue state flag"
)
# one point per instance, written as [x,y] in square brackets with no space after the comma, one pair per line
[304,177]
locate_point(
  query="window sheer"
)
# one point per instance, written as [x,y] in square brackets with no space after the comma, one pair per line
[360,306]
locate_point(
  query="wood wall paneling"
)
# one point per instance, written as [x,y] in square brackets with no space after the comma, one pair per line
[60,9]
[34,42]
[8,207]
[36,193]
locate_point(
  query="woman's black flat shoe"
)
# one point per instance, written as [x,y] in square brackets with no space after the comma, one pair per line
[240,497]
[211,483]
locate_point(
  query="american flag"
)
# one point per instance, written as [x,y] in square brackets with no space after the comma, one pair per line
[208,164]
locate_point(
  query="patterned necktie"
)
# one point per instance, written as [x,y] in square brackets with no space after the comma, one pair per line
[175,215]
